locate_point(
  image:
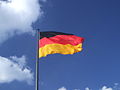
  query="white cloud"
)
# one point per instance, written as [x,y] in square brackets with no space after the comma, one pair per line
[105,88]
[17,16]
[62,88]
[115,87]
[87,88]
[14,68]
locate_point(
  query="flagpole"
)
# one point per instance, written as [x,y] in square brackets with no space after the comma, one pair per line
[37,62]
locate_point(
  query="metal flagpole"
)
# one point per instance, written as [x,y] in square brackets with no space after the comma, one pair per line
[37,62]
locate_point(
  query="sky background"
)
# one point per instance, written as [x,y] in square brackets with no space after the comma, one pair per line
[95,68]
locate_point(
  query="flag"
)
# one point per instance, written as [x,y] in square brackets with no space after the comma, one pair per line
[57,42]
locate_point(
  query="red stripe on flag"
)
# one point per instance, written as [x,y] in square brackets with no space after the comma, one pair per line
[61,39]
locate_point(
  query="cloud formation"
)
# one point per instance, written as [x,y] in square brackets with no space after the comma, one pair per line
[105,88]
[62,88]
[14,68]
[87,88]
[17,17]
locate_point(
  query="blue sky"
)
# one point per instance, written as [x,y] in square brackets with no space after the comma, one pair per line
[96,67]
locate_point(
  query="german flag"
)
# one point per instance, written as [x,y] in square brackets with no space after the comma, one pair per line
[57,42]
